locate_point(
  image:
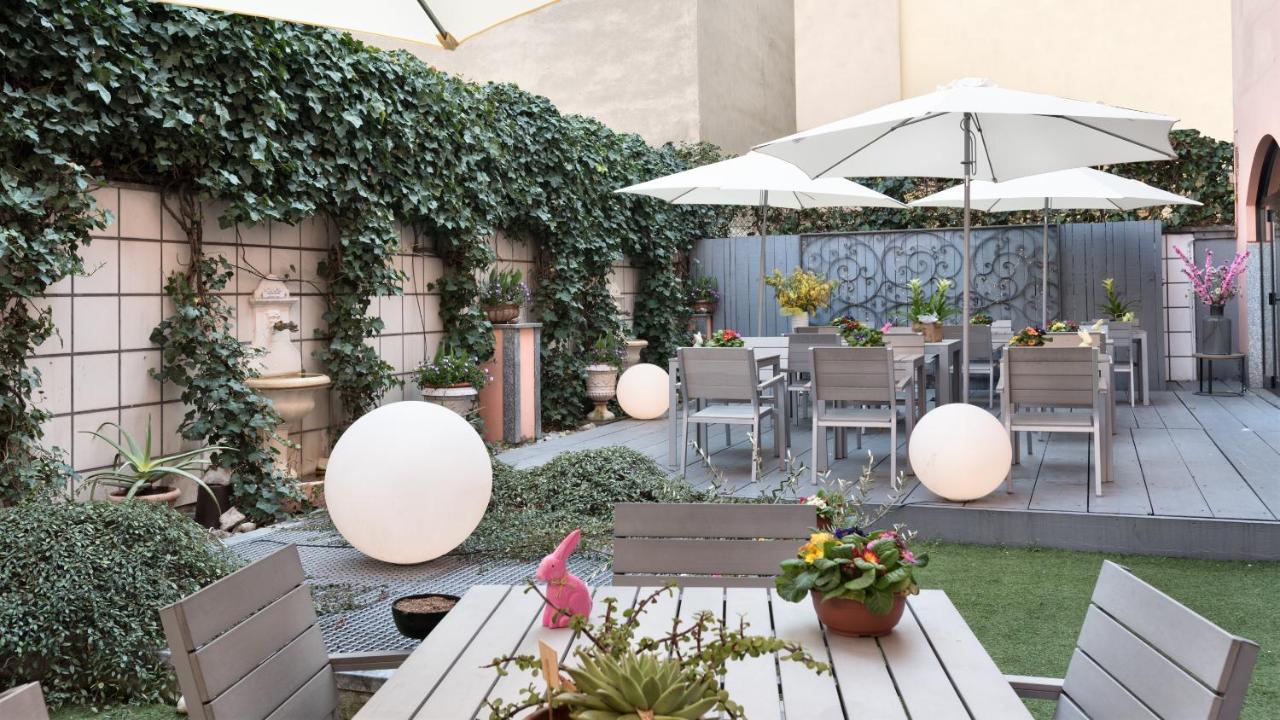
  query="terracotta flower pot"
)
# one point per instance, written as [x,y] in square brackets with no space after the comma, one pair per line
[502,313]
[932,331]
[155,494]
[703,307]
[852,618]
[546,713]
[459,398]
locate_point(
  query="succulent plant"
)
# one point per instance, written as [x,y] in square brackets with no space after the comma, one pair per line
[642,685]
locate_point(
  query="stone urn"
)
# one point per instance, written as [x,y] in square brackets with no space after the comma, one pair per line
[602,386]
[634,347]
[459,398]
[502,314]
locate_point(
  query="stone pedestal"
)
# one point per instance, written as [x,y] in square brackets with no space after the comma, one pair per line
[511,404]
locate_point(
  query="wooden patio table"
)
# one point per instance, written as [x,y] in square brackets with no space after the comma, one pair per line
[930,666]
[949,382]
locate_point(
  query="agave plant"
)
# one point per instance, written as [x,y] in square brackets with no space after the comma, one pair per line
[136,469]
[610,688]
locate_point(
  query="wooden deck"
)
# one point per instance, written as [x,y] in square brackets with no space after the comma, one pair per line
[1203,469]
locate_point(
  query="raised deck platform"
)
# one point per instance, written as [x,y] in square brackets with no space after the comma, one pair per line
[1193,476]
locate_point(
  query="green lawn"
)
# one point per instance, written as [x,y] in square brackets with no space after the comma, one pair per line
[1026,605]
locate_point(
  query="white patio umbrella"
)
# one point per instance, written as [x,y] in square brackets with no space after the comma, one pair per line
[440,23]
[1076,189]
[758,180]
[974,130]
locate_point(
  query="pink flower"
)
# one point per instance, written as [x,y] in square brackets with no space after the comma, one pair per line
[885,327]
[908,556]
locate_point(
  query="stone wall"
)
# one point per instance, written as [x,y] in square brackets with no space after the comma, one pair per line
[95,368]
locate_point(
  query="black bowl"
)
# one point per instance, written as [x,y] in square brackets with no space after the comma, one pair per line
[418,625]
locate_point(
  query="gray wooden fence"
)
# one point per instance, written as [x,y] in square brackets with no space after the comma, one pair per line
[873,269]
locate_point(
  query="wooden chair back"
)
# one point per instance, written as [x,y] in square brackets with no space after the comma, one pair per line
[248,647]
[1142,654]
[768,346]
[719,374]
[904,341]
[979,340]
[799,357]
[1051,376]
[853,374]
[706,544]
[1001,331]
[24,702]
[817,329]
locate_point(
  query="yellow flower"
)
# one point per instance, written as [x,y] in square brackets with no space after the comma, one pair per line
[813,549]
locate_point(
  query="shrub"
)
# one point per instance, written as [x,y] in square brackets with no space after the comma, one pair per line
[80,586]
[532,510]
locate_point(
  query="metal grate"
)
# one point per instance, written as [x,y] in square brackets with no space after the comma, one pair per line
[355,592]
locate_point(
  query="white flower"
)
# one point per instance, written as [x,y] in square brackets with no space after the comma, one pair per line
[817,502]
[927,319]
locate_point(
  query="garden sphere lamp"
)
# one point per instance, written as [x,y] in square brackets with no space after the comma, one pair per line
[642,391]
[408,482]
[960,452]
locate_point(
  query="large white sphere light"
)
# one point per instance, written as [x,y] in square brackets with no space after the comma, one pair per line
[408,482]
[960,452]
[643,391]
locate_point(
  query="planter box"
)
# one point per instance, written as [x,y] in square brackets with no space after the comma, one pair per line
[511,404]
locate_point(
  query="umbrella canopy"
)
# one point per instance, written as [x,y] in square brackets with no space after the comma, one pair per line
[972,129]
[441,23]
[1076,189]
[756,179]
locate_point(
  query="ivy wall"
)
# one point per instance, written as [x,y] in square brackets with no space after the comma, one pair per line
[277,124]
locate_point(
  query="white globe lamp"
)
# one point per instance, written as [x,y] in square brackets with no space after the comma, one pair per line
[408,482]
[643,391]
[960,452]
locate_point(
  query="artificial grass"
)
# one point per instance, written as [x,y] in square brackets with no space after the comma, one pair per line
[1026,605]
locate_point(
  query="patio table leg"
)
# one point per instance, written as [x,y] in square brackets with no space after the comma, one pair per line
[1146,378]
[671,414]
[944,379]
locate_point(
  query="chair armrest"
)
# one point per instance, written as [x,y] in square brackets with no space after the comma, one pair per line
[771,381]
[388,660]
[1036,688]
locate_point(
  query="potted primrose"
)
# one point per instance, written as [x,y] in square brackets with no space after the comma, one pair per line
[704,295]
[928,314]
[859,334]
[858,579]
[503,294]
[452,379]
[604,362]
[980,318]
[139,475]
[800,294]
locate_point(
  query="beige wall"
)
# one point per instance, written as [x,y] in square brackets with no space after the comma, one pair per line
[746,71]
[95,368]
[846,58]
[1166,56]
[670,70]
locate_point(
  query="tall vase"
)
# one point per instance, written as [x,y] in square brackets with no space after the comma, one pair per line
[799,321]
[1216,338]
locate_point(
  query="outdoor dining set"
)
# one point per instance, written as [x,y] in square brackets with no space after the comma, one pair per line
[1064,383]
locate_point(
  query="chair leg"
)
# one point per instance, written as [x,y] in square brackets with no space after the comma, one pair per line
[813,455]
[991,389]
[1133,377]
[684,444]
[756,454]
[893,449]
[1097,459]
[728,438]
[1013,442]
[860,438]
[911,420]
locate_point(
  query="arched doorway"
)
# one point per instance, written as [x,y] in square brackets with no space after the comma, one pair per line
[1267,206]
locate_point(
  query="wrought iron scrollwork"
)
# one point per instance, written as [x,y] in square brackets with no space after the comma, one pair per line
[873,270]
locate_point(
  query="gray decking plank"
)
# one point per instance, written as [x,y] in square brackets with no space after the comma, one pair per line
[1255,460]
[1127,491]
[1172,411]
[1249,414]
[1170,485]
[1146,415]
[1228,494]
[1065,473]
[1208,412]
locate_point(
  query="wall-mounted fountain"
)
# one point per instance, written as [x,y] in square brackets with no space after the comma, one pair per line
[281,379]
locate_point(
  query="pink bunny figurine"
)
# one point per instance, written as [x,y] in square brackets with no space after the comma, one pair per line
[567,595]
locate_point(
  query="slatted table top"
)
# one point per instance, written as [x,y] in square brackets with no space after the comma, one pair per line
[930,666]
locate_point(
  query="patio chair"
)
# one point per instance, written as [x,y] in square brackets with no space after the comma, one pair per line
[24,702]
[706,544]
[1142,654]
[866,378]
[248,647]
[728,380]
[1001,332]
[818,329]
[1053,379]
[906,341]
[981,355]
[800,365]
[1125,360]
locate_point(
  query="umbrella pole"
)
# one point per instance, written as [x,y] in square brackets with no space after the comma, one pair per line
[764,230]
[1044,269]
[964,307]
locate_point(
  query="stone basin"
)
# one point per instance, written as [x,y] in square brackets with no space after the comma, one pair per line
[292,395]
